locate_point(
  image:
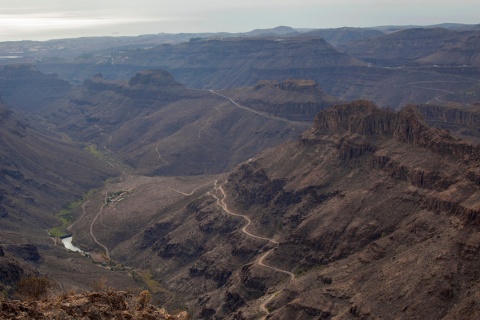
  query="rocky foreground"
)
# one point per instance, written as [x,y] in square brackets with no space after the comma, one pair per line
[88,305]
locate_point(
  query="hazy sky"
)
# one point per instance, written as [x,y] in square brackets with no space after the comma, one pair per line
[51,19]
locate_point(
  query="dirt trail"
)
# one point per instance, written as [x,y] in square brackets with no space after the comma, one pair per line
[158,153]
[266,115]
[260,261]
[91,228]
[192,192]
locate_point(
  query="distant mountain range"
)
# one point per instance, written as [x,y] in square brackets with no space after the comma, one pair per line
[410,65]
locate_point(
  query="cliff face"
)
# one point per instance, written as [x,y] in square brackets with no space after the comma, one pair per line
[368,192]
[463,122]
[408,125]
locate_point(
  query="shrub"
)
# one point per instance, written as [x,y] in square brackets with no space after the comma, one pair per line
[100,285]
[34,288]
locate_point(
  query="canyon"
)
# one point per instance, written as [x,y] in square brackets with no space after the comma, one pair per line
[241,177]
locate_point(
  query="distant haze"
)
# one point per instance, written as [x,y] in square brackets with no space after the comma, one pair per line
[53,19]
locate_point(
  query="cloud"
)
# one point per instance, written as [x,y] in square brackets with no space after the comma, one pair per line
[53,21]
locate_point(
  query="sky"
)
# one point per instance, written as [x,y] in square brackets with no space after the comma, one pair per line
[54,19]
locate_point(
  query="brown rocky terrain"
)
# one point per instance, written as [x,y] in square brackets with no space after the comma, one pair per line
[370,214]
[89,305]
[102,115]
[380,231]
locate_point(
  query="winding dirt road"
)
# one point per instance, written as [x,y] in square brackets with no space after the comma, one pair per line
[91,228]
[266,115]
[260,261]
[158,153]
[191,193]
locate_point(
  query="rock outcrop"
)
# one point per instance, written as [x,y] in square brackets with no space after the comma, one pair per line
[89,305]
[407,125]
[152,78]
[147,85]
[461,121]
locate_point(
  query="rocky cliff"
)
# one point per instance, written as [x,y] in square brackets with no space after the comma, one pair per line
[461,121]
[375,211]
[407,125]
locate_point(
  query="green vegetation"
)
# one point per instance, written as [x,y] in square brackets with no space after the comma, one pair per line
[102,155]
[93,150]
[280,225]
[146,278]
[65,216]
[115,196]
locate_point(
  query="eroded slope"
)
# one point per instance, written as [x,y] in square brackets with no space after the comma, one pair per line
[370,213]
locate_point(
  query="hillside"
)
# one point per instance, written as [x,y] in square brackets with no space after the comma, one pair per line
[25,88]
[380,210]
[42,173]
[418,46]
[463,52]
[157,126]
[370,213]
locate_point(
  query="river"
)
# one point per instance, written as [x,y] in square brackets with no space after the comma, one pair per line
[67,242]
